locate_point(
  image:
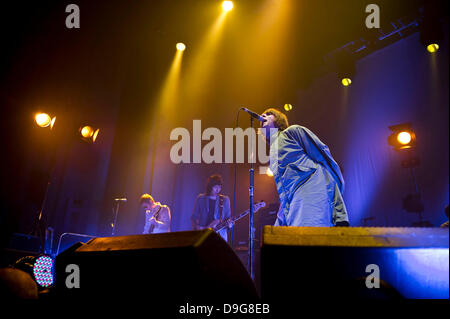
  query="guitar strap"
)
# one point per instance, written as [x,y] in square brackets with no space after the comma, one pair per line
[156,215]
[221,206]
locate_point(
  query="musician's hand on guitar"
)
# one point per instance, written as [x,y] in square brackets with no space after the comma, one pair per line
[213,224]
[149,216]
[156,222]
[230,223]
[152,221]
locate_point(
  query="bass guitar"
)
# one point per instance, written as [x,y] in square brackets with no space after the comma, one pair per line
[218,225]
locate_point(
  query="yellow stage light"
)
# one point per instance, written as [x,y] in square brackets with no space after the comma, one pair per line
[269,172]
[404,138]
[87,131]
[346,81]
[43,119]
[227,5]
[181,46]
[432,47]
[288,107]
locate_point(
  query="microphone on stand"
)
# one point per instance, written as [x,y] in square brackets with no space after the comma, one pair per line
[254,115]
[251,190]
[116,212]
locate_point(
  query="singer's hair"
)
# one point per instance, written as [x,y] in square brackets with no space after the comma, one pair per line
[146,199]
[281,121]
[212,181]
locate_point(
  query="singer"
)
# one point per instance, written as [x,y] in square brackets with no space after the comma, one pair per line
[308,179]
[157,216]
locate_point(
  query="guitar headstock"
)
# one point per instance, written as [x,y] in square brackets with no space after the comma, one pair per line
[259,205]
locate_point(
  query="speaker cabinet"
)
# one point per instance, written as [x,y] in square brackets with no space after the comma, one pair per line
[353,262]
[158,268]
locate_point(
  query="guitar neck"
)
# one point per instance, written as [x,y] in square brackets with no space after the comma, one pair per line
[224,223]
[242,215]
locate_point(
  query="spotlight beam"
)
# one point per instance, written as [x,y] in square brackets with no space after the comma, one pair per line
[165,106]
[168,92]
[202,63]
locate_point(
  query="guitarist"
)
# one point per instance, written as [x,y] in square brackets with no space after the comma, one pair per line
[157,216]
[212,207]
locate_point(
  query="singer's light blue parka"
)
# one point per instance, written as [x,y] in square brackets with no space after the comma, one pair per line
[308,179]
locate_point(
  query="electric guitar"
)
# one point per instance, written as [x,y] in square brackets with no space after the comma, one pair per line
[218,225]
[148,228]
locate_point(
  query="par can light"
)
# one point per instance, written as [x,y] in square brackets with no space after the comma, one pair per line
[40,268]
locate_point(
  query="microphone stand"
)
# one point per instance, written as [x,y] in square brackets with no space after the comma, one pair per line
[39,222]
[116,212]
[250,216]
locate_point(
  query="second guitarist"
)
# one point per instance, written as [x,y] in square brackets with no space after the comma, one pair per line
[157,216]
[212,207]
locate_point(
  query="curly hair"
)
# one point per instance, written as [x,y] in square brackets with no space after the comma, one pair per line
[281,121]
[212,181]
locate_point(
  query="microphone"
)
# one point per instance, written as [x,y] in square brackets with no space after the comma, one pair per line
[254,115]
[120,199]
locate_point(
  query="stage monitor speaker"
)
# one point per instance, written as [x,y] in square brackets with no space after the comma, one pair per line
[25,243]
[20,245]
[67,240]
[158,269]
[338,263]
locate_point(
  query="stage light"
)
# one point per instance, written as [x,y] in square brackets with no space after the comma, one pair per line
[269,172]
[40,268]
[430,27]
[181,46]
[42,271]
[345,64]
[88,133]
[402,137]
[433,47]
[346,81]
[44,120]
[227,5]
[287,107]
